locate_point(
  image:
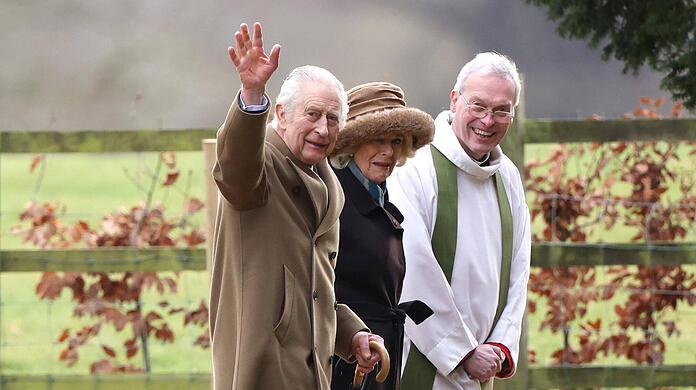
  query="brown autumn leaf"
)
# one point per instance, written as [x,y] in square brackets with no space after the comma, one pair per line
[595,324]
[171,177]
[532,356]
[112,225]
[102,367]
[165,334]
[192,205]
[645,100]
[131,350]
[34,162]
[171,283]
[203,340]
[152,316]
[531,306]
[118,319]
[641,112]
[198,316]
[677,109]
[69,355]
[129,368]
[160,288]
[78,230]
[109,351]
[659,101]
[195,237]
[50,286]
[63,336]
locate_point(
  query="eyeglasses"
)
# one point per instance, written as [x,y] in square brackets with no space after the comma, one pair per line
[481,112]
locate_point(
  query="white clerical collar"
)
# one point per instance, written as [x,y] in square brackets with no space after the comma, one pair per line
[483,161]
[447,143]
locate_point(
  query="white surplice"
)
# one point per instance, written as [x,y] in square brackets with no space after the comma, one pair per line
[463,311]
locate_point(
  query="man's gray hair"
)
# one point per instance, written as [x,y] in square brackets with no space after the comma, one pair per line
[487,63]
[292,85]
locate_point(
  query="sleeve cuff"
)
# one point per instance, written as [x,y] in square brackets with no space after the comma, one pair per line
[508,365]
[447,354]
[466,357]
[347,325]
[256,108]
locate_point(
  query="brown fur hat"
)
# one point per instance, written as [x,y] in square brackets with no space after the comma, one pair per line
[375,110]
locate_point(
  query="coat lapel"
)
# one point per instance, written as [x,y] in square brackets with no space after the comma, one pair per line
[358,194]
[335,192]
[315,188]
[363,201]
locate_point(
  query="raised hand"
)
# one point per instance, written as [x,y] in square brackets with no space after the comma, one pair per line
[253,65]
[484,362]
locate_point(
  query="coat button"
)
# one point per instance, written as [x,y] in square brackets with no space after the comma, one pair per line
[335,305]
[315,295]
[332,255]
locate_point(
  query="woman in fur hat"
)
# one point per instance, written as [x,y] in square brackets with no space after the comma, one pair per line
[381,133]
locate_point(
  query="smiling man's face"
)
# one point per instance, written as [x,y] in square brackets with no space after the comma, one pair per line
[311,129]
[479,136]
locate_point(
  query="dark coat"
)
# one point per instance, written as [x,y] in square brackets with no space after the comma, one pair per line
[370,272]
[274,323]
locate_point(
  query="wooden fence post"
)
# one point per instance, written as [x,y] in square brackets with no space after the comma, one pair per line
[211,198]
[513,147]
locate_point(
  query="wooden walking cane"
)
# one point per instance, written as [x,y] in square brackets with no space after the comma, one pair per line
[383,372]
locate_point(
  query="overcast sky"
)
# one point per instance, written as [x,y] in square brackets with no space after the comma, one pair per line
[104,64]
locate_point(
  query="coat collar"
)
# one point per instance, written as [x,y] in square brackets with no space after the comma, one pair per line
[362,200]
[447,143]
[336,197]
[324,189]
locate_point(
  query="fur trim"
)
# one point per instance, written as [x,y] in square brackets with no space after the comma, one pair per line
[408,120]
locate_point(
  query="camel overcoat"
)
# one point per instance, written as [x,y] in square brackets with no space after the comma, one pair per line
[274,320]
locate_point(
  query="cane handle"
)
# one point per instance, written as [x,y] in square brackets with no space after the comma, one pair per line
[383,372]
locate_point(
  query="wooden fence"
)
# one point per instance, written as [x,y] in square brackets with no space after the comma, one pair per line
[175,259]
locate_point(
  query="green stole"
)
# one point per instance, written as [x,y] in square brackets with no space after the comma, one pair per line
[419,373]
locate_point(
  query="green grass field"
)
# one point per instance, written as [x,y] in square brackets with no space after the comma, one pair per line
[91,185]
